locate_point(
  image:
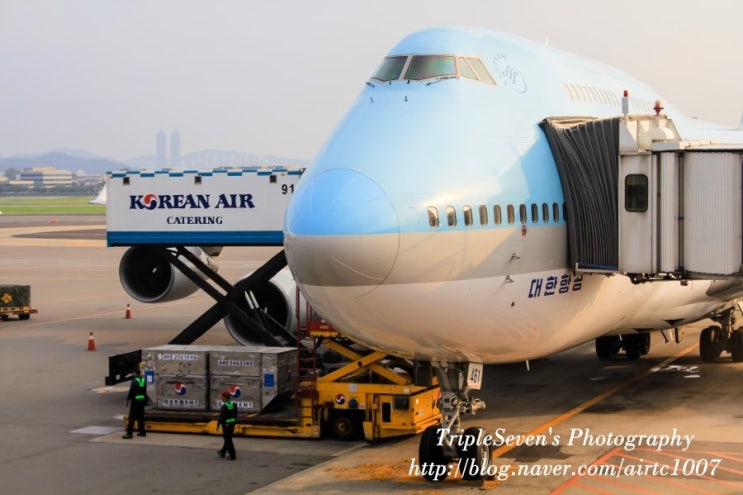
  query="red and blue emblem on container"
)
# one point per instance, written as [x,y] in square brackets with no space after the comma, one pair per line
[235,391]
[180,388]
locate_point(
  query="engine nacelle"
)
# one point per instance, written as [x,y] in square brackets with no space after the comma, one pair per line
[149,278]
[277,298]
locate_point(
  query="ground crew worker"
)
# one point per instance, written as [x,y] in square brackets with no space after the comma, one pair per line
[227,419]
[136,400]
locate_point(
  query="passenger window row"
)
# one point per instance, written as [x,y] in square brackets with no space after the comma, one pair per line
[533,214]
[579,92]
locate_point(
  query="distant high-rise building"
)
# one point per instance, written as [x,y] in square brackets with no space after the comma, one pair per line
[175,149]
[161,150]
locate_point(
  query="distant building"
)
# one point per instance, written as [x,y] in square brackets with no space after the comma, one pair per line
[161,150]
[46,176]
[175,149]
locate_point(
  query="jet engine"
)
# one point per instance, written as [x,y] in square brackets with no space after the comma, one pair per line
[148,277]
[277,299]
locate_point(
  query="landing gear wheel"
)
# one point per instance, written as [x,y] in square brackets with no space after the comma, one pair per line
[709,348]
[736,345]
[608,346]
[477,456]
[431,455]
[644,343]
[632,344]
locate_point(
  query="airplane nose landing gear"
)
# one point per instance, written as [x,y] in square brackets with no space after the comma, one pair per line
[447,449]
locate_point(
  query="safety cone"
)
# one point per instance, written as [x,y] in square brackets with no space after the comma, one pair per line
[128,314]
[91,342]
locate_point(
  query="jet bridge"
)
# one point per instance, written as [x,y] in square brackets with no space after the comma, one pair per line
[641,201]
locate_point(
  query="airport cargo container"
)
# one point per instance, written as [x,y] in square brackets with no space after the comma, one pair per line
[273,369]
[245,391]
[189,393]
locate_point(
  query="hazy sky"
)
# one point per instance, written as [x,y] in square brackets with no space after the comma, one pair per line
[275,77]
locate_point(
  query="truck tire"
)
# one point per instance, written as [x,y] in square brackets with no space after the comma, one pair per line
[345,425]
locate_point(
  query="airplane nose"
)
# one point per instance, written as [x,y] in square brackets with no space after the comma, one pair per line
[341,230]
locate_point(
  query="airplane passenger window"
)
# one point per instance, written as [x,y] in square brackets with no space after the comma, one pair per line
[522,213]
[467,215]
[428,66]
[534,213]
[497,218]
[482,72]
[433,217]
[511,215]
[465,70]
[483,214]
[636,192]
[451,216]
[556,212]
[390,69]
[545,213]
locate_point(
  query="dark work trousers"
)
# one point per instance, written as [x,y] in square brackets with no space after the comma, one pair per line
[136,413]
[227,431]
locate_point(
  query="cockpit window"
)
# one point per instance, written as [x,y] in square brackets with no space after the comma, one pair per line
[390,69]
[465,70]
[482,72]
[428,66]
[422,67]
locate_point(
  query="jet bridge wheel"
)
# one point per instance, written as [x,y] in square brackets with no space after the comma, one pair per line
[431,455]
[711,343]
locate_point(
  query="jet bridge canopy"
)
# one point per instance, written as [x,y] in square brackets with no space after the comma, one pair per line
[642,202]
[586,153]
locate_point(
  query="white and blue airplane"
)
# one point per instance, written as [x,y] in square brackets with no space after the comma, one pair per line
[432,225]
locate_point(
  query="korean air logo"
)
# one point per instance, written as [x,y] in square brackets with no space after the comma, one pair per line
[235,391]
[152,201]
[180,388]
[146,202]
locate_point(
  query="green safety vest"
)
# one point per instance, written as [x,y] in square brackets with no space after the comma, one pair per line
[140,383]
[230,406]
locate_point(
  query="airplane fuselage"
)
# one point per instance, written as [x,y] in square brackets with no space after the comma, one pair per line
[432,223]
